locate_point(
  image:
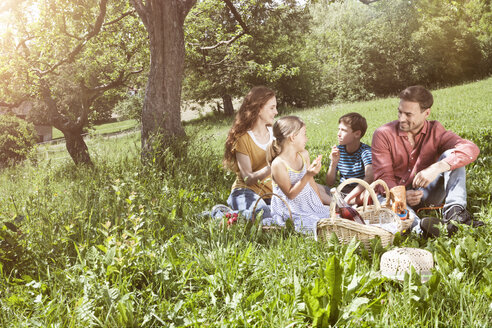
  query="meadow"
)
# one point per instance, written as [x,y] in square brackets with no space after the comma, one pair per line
[112,127]
[125,245]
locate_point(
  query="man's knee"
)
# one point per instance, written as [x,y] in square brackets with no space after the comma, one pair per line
[447,153]
[459,170]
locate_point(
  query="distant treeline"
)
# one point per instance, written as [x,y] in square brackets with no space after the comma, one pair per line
[340,50]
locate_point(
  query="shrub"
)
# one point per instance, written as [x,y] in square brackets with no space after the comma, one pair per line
[17,138]
[130,107]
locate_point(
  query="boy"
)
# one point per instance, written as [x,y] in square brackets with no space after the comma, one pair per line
[351,157]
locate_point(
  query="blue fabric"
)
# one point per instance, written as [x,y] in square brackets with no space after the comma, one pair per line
[243,200]
[353,165]
[219,211]
[448,188]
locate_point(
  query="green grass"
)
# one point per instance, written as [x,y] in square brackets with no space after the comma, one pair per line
[123,245]
[104,128]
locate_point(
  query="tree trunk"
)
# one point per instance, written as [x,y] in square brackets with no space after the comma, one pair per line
[161,116]
[228,108]
[71,130]
[76,146]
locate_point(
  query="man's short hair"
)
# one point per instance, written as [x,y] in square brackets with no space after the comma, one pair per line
[356,122]
[419,94]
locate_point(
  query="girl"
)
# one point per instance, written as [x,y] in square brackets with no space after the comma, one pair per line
[245,151]
[292,174]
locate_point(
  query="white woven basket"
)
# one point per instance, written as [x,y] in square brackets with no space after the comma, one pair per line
[395,263]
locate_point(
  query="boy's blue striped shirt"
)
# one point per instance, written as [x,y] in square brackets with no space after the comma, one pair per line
[353,165]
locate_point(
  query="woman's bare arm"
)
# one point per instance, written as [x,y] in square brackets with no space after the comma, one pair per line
[246,171]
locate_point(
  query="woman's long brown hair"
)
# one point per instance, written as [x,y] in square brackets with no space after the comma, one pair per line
[246,117]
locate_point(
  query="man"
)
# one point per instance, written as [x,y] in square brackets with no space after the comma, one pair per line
[427,159]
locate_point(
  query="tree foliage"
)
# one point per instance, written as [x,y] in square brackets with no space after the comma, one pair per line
[17,138]
[64,55]
[226,58]
[378,49]
[325,50]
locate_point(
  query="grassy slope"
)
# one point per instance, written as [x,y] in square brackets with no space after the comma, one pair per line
[462,109]
[122,245]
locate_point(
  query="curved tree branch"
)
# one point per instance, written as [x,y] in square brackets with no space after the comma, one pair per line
[65,31]
[223,42]
[22,43]
[93,93]
[119,18]
[11,105]
[90,34]
[366,2]
[237,16]
[58,120]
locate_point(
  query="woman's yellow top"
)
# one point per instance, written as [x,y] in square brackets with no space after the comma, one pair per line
[257,155]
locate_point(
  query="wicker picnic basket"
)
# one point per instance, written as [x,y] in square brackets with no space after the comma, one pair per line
[345,229]
[405,224]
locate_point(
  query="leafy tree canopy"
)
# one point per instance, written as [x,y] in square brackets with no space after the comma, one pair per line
[226,56]
[63,55]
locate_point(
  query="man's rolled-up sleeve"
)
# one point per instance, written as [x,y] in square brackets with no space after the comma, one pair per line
[463,151]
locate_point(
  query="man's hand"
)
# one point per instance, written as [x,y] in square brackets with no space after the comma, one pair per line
[426,176]
[334,155]
[414,197]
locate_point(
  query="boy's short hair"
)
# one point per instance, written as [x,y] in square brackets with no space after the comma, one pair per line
[356,122]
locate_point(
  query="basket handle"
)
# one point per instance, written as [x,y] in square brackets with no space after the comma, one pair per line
[253,214]
[365,185]
[373,185]
[381,182]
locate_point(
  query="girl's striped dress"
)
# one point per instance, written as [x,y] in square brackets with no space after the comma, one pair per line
[307,208]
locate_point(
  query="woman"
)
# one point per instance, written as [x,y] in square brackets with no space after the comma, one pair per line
[245,151]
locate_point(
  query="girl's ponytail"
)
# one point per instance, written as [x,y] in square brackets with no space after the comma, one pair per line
[282,129]
[273,150]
